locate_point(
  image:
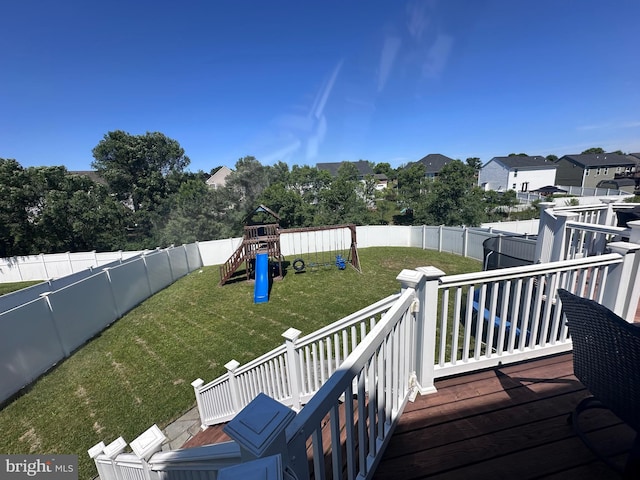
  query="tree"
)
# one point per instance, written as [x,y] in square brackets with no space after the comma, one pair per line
[78,214]
[142,170]
[454,198]
[46,209]
[411,183]
[552,158]
[16,229]
[309,182]
[593,150]
[289,205]
[518,155]
[198,213]
[340,203]
[386,169]
[475,163]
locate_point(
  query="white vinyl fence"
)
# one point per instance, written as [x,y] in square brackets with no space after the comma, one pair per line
[46,323]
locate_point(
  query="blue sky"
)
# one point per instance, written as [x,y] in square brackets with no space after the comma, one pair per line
[302,82]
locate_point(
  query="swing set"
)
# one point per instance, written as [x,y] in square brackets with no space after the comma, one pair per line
[315,247]
[311,247]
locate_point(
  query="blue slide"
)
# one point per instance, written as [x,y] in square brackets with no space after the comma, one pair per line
[261,288]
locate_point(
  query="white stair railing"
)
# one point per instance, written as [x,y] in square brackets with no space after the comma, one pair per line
[364,398]
[291,373]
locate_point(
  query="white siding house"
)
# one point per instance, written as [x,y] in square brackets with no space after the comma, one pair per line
[518,173]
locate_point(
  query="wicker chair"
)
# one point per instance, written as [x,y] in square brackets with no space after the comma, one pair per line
[606,359]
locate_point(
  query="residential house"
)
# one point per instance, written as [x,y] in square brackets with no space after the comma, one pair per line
[382,181]
[363,167]
[219,178]
[92,174]
[518,172]
[587,170]
[433,163]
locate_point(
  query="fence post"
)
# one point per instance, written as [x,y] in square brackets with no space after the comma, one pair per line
[293,366]
[70,262]
[440,238]
[196,384]
[465,241]
[233,385]
[426,321]
[622,290]
[44,266]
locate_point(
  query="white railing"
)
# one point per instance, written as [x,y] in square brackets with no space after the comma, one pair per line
[365,397]
[186,464]
[378,359]
[291,373]
[579,231]
[508,315]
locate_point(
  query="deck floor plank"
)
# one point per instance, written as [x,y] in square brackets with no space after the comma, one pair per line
[502,423]
[508,422]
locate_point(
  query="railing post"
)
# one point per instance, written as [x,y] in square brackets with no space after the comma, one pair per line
[622,290]
[112,451]
[145,446]
[634,225]
[259,430]
[233,385]
[293,366]
[440,237]
[196,384]
[426,317]
[545,232]
[560,237]
[93,453]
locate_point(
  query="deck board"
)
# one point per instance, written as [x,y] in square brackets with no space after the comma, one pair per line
[508,422]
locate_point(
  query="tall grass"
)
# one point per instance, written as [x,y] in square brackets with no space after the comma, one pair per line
[138,371]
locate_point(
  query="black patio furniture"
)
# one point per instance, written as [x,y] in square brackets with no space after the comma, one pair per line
[606,359]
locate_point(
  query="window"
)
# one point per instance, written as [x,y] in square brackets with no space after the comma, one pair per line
[525,186]
[586,172]
[606,170]
[515,173]
[598,171]
[513,186]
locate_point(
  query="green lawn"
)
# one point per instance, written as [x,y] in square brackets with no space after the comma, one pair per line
[12,287]
[138,371]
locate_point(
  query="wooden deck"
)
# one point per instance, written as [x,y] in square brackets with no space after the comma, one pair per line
[503,423]
[506,423]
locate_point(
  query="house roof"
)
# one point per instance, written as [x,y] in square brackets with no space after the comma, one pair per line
[524,162]
[600,159]
[434,162]
[92,174]
[363,167]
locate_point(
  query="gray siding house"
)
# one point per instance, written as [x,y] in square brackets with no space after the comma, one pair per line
[587,170]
